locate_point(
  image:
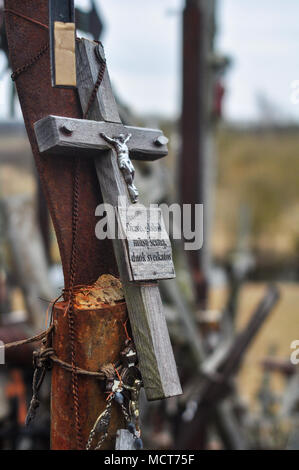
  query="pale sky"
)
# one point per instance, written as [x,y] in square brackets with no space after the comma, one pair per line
[143,45]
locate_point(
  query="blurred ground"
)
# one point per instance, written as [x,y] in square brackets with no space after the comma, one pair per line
[258,169]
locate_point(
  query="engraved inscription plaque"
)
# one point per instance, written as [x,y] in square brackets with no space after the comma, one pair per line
[148,244]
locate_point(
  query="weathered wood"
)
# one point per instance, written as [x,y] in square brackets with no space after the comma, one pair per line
[104,107]
[145,308]
[63,136]
[144,304]
[124,440]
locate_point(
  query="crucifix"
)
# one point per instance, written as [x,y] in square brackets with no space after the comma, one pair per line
[112,146]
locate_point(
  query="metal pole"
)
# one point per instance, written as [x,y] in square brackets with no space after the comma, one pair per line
[197,91]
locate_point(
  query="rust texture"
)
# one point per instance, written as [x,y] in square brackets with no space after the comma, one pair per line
[38,99]
[101,336]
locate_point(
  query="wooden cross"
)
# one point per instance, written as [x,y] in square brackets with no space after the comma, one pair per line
[71,137]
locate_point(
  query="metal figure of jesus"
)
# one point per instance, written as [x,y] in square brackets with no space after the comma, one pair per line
[119,143]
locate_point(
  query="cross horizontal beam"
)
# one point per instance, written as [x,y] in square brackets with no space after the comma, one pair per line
[63,136]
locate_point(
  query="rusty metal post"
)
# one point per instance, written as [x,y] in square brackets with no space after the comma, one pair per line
[197,97]
[101,336]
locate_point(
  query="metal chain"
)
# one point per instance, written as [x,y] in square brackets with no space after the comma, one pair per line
[96,87]
[101,425]
[16,73]
[71,310]
[125,413]
[30,63]
[101,441]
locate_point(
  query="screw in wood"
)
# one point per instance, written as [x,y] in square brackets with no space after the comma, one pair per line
[64,130]
[161,140]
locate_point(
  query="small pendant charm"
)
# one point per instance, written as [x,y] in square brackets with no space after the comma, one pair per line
[123,385]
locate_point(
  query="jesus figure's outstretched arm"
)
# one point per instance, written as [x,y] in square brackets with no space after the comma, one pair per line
[107,138]
[128,138]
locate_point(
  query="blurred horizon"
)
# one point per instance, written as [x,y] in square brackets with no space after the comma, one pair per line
[261,39]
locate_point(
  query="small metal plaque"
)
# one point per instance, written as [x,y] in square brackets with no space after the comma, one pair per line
[148,244]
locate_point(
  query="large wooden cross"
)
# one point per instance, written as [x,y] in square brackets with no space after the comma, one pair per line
[70,137]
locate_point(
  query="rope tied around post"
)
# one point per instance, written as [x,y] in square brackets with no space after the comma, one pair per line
[46,357]
[43,360]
